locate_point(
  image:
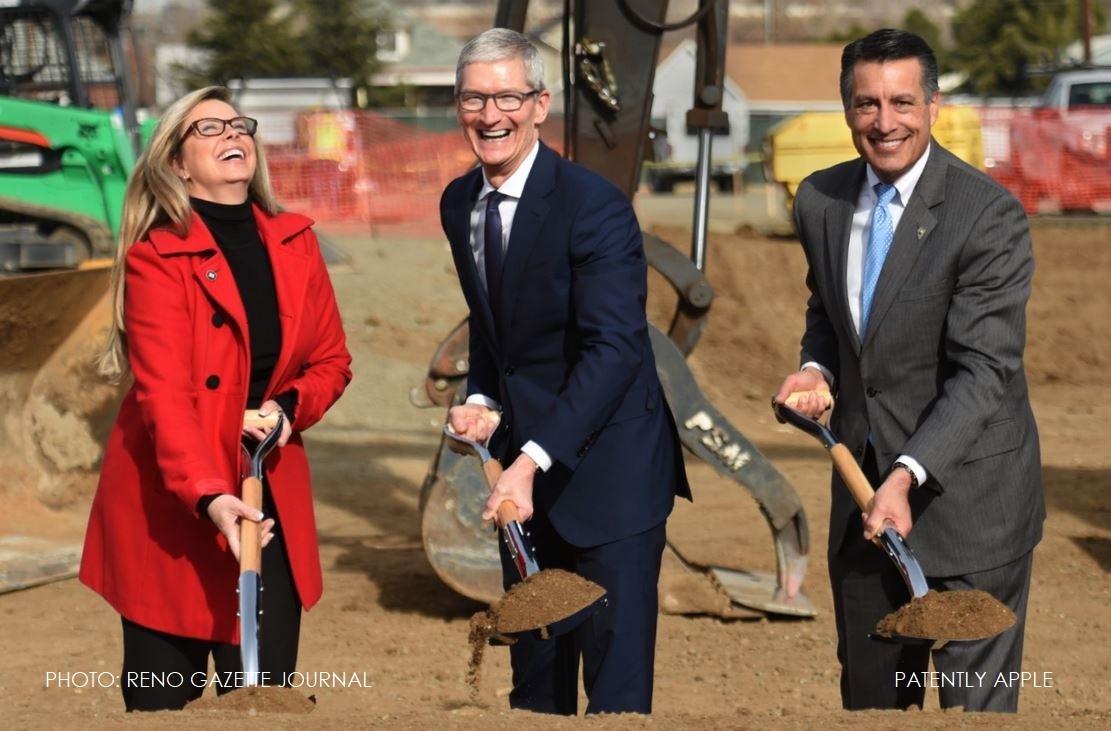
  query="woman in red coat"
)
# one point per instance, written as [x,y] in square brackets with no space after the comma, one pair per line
[223,303]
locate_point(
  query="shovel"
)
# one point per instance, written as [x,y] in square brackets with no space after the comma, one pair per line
[889,539]
[891,542]
[516,540]
[250,548]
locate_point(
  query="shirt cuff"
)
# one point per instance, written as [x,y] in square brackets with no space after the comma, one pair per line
[538,455]
[821,369]
[912,464]
[481,400]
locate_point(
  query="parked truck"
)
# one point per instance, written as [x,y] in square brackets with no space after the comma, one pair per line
[1059,150]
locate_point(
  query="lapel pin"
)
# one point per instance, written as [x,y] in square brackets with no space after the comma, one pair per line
[921,232]
[211,274]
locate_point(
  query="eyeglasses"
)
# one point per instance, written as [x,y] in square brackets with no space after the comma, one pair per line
[506,101]
[212,127]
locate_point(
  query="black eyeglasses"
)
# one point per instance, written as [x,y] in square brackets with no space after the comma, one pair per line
[506,101]
[213,127]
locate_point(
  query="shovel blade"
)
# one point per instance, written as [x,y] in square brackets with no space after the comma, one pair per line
[905,561]
[562,626]
[249,585]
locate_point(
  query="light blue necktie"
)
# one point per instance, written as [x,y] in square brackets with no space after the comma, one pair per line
[880,236]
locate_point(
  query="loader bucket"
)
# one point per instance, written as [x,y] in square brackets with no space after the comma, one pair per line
[56,409]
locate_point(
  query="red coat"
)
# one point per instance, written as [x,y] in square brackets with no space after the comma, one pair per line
[148,551]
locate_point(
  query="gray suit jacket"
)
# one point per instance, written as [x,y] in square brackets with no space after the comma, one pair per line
[939,374]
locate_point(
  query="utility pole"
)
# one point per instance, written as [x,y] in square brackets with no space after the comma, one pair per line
[1086,30]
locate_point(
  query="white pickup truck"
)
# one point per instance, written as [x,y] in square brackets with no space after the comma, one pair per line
[1060,150]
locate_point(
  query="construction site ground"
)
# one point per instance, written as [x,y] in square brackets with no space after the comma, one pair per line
[398,635]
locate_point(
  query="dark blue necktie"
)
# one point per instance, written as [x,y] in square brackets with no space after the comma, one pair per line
[879,241]
[492,248]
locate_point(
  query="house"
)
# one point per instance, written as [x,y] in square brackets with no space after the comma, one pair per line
[780,80]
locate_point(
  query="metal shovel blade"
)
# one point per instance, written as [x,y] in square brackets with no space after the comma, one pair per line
[905,561]
[248,626]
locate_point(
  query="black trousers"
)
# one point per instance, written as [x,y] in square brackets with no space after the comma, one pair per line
[877,673]
[617,645]
[162,671]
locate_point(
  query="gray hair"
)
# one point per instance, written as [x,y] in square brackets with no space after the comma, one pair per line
[501,44]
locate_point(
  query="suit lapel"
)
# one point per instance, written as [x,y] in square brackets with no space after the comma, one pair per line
[528,222]
[910,237]
[214,275]
[839,222]
[457,219]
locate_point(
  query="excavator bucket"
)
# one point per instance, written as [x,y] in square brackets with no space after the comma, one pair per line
[56,409]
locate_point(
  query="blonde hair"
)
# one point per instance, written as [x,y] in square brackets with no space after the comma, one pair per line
[157,198]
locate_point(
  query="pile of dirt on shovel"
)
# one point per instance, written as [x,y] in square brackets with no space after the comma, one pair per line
[948,615]
[536,602]
[255,700]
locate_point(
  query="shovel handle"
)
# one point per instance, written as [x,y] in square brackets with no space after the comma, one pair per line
[252,418]
[250,550]
[793,398]
[853,476]
[507,511]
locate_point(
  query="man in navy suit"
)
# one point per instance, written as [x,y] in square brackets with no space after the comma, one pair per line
[552,265]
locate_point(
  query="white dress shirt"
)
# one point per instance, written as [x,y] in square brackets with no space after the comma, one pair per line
[512,189]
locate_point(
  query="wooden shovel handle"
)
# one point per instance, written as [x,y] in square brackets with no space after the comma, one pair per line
[792,399]
[252,418]
[853,476]
[507,511]
[250,548]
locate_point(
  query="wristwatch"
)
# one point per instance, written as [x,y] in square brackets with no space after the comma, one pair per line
[913,477]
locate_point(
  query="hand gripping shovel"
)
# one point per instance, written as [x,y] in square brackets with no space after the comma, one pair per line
[516,541]
[250,548]
[862,492]
[940,611]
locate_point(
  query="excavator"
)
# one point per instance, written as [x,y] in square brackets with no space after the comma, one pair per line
[609,55]
[68,139]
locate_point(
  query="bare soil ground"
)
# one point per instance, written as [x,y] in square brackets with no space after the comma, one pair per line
[389,623]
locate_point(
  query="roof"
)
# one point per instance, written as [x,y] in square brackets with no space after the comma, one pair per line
[795,74]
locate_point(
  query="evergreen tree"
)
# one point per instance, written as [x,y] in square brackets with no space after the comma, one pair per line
[246,39]
[1009,47]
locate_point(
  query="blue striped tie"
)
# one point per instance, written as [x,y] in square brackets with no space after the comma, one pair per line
[879,241]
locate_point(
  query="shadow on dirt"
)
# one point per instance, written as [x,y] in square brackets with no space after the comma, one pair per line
[1086,494]
[382,537]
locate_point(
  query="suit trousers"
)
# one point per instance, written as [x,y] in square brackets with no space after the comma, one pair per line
[163,672]
[617,645]
[867,586]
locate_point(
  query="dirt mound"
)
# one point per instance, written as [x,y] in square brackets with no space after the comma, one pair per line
[255,700]
[948,615]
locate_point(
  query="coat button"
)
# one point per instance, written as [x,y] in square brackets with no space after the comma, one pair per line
[860,451]
[871,392]
[509,371]
[218,319]
[212,382]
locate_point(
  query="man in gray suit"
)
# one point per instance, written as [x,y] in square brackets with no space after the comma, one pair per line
[920,269]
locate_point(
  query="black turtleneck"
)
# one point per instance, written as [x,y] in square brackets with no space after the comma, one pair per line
[236,233]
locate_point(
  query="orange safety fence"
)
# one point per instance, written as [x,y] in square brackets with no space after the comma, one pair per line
[1052,161]
[361,167]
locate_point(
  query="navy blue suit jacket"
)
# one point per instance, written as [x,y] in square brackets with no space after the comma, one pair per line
[569,357]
